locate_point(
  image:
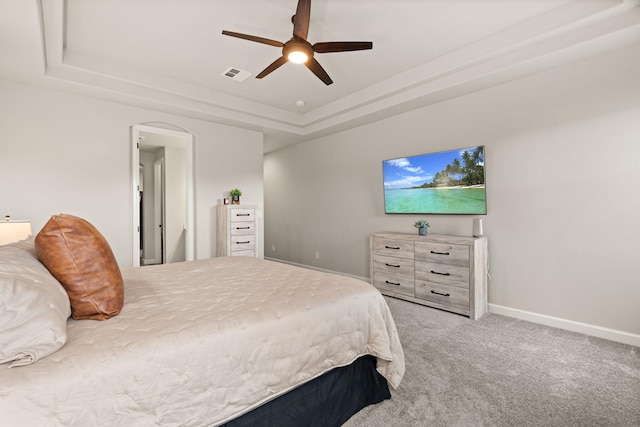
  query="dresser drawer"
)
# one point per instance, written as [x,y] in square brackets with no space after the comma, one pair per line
[449,296]
[242,243]
[244,253]
[442,253]
[393,283]
[243,215]
[242,228]
[392,247]
[393,265]
[446,274]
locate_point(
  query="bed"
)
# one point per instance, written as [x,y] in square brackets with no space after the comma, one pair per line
[221,341]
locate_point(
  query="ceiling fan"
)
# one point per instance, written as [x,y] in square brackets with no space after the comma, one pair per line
[298,49]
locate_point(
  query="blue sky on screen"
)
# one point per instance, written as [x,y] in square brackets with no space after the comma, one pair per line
[414,171]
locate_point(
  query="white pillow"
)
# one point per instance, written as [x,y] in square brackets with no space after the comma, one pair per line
[34,307]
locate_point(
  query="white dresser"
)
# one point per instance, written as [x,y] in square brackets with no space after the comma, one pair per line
[236,230]
[446,272]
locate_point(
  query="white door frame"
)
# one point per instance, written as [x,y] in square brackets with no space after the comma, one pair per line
[187,138]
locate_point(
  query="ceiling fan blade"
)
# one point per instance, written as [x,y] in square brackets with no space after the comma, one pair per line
[301,19]
[253,38]
[273,66]
[317,69]
[324,47]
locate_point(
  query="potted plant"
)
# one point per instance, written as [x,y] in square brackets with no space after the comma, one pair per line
[235,196]
[421,225]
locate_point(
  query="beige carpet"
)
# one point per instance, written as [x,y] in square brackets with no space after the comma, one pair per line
[499,371]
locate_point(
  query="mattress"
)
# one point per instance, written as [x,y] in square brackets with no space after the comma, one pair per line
[202,342]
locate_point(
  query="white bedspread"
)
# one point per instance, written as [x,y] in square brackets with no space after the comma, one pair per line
[199,343]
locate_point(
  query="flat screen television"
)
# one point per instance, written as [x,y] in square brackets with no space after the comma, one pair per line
[448,182]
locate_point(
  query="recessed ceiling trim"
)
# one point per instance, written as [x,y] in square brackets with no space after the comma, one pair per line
[487,51]
[461,84]
[575,30]
[94,73]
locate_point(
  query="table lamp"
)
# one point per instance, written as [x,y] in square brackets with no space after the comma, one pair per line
[13,230]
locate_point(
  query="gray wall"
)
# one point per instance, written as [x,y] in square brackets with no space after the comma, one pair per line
[563,189]
[62,153]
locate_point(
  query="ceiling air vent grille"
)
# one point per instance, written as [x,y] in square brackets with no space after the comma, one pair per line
[236,74]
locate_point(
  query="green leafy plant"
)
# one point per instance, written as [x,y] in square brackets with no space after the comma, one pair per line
[421,224]
[235,192]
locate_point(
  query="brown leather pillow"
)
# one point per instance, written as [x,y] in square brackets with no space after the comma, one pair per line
[80,258]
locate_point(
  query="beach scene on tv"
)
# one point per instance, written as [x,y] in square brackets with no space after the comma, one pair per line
[448,182]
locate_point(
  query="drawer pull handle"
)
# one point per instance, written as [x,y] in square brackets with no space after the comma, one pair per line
[440,253]
[392,283]
[442,274]
[243,214]
[397,248]
[391,265]
[243,243]
[242,228]
[438,293]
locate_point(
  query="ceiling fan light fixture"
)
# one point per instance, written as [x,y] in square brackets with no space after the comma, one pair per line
[297,51]
[297,57]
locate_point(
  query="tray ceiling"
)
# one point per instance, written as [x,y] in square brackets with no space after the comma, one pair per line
[171,55]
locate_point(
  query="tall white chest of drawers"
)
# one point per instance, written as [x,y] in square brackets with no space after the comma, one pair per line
[445,272]
[236,230]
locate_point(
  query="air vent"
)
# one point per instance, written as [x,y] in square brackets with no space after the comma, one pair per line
[236,74]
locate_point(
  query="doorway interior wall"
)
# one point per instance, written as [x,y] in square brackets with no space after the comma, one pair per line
[162,196]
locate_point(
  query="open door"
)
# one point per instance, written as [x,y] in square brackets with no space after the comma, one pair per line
[159,211]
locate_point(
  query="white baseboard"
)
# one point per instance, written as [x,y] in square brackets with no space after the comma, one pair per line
[556,322]
[366,279]
[568,325]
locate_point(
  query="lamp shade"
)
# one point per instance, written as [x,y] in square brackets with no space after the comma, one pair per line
[13,231]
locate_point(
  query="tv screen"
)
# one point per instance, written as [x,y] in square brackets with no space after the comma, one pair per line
[448,182]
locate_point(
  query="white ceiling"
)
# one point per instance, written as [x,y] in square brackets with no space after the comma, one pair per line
[170,55]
